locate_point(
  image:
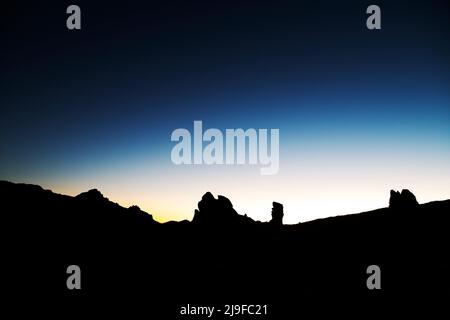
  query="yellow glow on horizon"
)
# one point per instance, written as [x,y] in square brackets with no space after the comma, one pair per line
[309,188]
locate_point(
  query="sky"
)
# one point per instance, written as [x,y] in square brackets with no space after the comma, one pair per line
[359,111]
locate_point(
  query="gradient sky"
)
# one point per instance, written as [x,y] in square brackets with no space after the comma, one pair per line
[360,112]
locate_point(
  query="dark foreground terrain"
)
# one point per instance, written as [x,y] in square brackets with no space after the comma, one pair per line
[132,265]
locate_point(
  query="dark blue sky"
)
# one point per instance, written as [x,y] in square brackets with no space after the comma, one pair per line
[108,96]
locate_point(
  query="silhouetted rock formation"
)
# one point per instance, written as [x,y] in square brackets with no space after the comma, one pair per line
[277,214]
[92,195]
[405,200]
[218,212]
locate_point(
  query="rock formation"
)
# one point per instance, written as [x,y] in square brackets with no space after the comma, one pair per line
[403,200]
[277,214]
[220,211]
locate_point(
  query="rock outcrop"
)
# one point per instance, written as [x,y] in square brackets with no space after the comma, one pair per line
[218,212]
[403,200]
[277,214]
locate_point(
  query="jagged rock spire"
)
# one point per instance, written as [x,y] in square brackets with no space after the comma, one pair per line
[405,199]
[277,213]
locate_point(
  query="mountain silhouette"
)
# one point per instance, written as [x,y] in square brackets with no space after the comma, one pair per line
[220,256]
